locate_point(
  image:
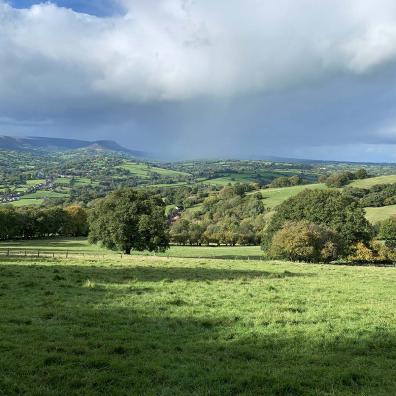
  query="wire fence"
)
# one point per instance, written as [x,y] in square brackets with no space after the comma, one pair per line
[78,254]
[46,253]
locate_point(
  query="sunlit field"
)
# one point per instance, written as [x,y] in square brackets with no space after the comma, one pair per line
[374,215]
[80,246]
[373,181]
[178,326]
[275,196]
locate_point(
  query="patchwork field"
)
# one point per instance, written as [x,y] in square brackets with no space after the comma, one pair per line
[177,326]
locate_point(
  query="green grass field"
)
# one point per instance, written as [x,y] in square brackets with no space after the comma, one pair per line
[374,215]
[176,326]
[275,196]
[231,179]
[44,194]
[34,182]
[372,181]
[79,246]
[27,202]
[143,170]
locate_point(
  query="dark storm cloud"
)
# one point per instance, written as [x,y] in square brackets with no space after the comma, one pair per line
[205,78]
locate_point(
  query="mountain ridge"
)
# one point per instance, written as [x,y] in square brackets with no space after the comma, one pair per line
[32,143]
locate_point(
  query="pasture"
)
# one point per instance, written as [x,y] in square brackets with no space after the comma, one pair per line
[177,326]
[373,181]
[143,170]
[275,196]
[374,215]
[80,246]
[27,202]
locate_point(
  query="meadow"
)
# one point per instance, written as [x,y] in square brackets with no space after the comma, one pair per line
[143,170]
[275,196]
[373,181]
[374,215]
[80,246]
[196,326]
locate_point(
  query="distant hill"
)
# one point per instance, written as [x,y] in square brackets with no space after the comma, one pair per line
[59,144]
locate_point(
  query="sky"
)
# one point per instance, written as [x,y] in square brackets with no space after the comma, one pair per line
[202,78]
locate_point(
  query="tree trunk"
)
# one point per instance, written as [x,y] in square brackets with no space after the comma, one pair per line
[127,250]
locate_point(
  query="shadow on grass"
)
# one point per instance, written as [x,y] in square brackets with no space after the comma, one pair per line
[58,337]
[221,257]
[158,274]
[61,243]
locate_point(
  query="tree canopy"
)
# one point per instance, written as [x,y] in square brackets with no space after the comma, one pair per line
[333,209]
[129,219]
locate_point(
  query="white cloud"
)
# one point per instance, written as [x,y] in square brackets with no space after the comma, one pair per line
[176,50]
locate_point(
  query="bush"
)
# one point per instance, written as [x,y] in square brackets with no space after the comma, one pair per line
[375,252]
[304,241]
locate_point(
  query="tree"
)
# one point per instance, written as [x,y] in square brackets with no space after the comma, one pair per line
[281,181]
[295,180]
[329,208]
[129,219]
[387,232]
[77,221]
[338,179]
[304,241]
[8,222]
[179,232]
[361,174]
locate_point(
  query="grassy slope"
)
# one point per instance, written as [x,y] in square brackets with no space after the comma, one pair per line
[191,326]
[377,214]
[275,196]
[372,181]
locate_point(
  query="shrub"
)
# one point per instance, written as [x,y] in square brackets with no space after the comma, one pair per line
[304,241]
[375,252]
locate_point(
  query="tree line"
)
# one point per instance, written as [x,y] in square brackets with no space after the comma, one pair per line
[32,222]
[312,226]
[341,179]
[375,196]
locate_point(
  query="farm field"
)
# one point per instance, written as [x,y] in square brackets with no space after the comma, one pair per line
[81,245]
[143,170]
[374,215]
[372,181]
[231,179]
[275,196]
[27,202]
[177,326]
[44,194]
